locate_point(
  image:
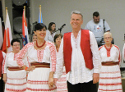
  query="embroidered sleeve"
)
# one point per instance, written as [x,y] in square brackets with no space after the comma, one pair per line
[4,66]
[53,57]
[22,54]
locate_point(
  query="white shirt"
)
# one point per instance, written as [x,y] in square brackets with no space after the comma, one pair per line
[114,54]
[97,29]
[79,73]
[49,36]
[46,55]
[10,61]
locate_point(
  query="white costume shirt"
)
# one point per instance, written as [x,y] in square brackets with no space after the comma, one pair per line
[10,61]
[114,54]
[46,55]
[49,36]
[79,73]
[97,29]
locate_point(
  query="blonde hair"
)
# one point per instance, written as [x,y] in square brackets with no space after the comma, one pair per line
[107,33]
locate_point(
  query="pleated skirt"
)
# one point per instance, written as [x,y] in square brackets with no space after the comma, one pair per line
[37,81]
[16,81]
[110,79]
[62,82]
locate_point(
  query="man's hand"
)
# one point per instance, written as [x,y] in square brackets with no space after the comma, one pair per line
[95,78]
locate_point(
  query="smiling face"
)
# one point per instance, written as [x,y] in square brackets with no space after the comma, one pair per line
[76,21]
[40,33]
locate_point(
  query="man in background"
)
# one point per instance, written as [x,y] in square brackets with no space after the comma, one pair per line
[98,27]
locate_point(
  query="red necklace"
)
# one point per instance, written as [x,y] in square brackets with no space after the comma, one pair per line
[41,45]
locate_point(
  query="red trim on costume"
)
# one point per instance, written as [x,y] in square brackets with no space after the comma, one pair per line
[62,79]
[109,84]
[100,47]
[22,53]
[14,90]
[110,77]
[41,89]
[40,55]
[53,55]
[37,82]
[119,58]
[110,90]
[108,50]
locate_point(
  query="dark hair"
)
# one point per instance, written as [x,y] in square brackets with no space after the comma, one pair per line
[56,36]
[50,25]
[40,26]
[15,40]
[96,14]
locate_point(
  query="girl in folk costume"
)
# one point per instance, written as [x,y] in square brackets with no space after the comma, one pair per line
[110,77]
[42,58]
[13,76]
[61,83]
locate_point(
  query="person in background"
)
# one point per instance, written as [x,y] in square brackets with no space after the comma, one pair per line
[98,27]
[2,57]
[13,76]
[41,55]
[61,83]
[79,52]
[34,38]
[50,32]
[110,76]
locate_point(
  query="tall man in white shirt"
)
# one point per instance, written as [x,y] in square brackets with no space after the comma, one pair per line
[79,53]
[98,27]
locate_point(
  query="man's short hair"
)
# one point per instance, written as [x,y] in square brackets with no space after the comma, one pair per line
[77,12]
[96,13]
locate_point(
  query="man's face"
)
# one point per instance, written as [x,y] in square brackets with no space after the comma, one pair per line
[76,21]
[96,19]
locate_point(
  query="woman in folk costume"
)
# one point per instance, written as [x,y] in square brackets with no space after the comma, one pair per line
[13,76]
[62,82]
[110,77]
[42,58]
